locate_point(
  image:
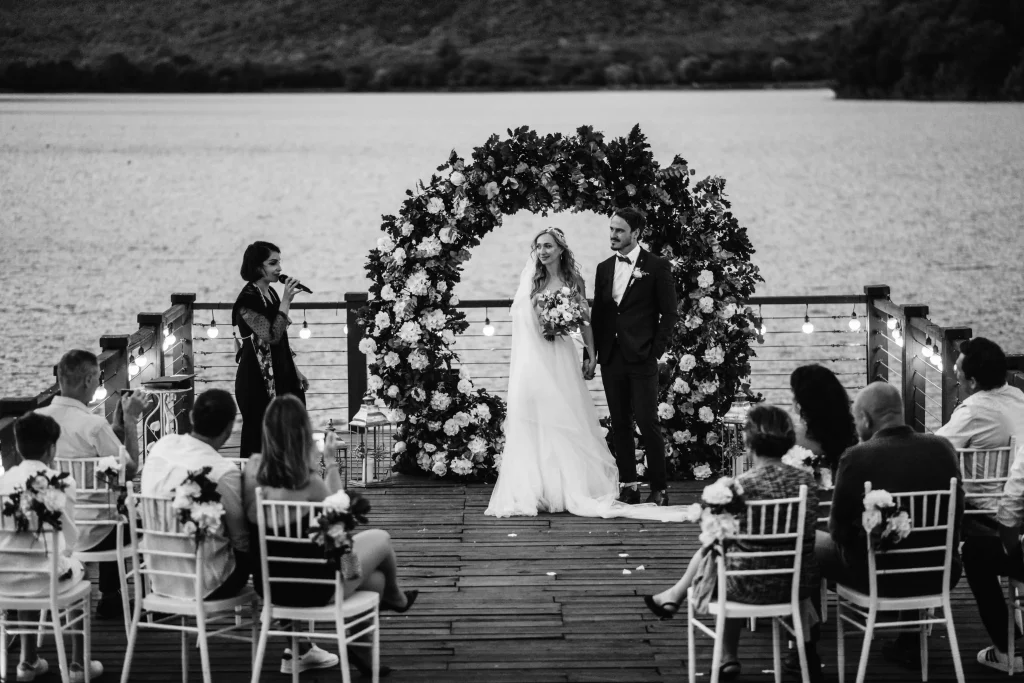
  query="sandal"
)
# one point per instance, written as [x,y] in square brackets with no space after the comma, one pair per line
[665,610]
[410,597]
[729,671]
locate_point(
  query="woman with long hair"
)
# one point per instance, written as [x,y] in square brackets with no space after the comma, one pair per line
[266,367]
[825,426]
[288,469]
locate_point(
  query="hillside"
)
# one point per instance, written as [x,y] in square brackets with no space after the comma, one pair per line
[366,44]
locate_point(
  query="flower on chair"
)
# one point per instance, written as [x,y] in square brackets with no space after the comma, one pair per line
[197,504]
[883,521]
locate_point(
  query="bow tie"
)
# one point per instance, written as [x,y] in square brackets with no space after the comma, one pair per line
[622,258]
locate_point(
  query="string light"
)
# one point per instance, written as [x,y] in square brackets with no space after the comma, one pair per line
[763,329]
[808,326]
[169,338]
[212,332]
[344,330]
[488,327]
[304,332]
[936,357]
[926,350]
[143,360]
[133,367]
[891,323]
[854,321]
[101,391]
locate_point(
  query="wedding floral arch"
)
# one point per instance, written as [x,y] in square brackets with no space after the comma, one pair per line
[449,426]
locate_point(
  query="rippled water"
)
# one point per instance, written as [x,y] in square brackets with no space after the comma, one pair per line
[109,204]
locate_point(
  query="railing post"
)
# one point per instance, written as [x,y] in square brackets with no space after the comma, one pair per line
[951,389]
[878,342]
[184,363]
[115,369]
[913,379]
[356,359]
[155,322]
[1015,375]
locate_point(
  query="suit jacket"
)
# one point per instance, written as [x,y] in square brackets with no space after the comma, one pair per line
[641,323]
[896,459]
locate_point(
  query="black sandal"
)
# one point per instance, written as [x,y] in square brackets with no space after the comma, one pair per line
[729,671]
[660,610]
[410,597]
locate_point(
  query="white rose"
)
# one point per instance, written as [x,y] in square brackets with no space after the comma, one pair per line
[391,359]
[435,205]
[869,519]
[878,498]
[477,445]
[429,447]
[419,394]
[701,472]
[374,382]
[711,439]
[714,356]
[337,502]
[433,425]
[406,228]
[387,292]
[665,411]
[681,437]
[451,427]
[680,386]
[462,466]
[707,304]
[382,320]
[719,493]
[456,178]
[693,321]
[454,300]
[706,414]
[385,244]
[417,361]
[705,279]
[727,312]
[393,391]
[687,362]
[399,447]
[410,332]
[398,255]
[466,386]
[439,468]
[440,401]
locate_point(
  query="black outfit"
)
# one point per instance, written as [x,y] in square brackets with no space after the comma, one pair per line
[110,578]
[985,562]
[630,337]
[298,593]
[265,365]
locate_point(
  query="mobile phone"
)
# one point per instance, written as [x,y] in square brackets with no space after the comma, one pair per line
[318,439]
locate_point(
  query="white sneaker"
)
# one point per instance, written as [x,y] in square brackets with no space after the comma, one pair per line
[28,672]
[1000,661]
[78,674]
[314,659]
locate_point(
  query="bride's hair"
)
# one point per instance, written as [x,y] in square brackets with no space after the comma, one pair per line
[569,271]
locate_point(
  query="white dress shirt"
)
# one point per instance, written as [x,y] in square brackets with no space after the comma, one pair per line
[167,465]
[84,434]
[623,272]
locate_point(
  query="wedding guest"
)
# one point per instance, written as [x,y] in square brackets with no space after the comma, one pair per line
[288,469]
[826,425]
[992,413]
[894,457]
[36,438]
[266,365]
[84,434]
[227,567]
[769,435]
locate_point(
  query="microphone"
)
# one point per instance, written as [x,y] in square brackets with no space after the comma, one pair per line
[301,287]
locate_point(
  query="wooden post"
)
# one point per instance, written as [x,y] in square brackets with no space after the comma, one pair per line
[878,343]
[356,359]
[184,363]
[1015,375]
[154,368]
[913,374]
[952,392]
[114,365]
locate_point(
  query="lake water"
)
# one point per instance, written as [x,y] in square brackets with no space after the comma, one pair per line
[109,204]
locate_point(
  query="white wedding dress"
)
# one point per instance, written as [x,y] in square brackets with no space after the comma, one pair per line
[555,457]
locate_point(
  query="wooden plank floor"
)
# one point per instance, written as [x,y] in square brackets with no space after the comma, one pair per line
[531,600]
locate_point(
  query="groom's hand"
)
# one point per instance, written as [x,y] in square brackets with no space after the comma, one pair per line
[589,367]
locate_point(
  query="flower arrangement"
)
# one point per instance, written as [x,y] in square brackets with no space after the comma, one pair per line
[803,459]
[720,503]
[38,502]
[341,513]
[411,319]
[109,470]
[197,504]
[883,521]
[560,312]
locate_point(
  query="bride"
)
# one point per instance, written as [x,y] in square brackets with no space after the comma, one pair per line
[555,457]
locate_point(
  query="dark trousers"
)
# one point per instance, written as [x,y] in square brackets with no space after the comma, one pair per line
[632,392]
[236,580]
[985,562]
[110,580]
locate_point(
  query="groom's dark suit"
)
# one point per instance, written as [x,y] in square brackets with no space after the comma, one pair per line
[630,337]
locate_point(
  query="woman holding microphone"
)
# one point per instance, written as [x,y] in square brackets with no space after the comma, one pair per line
[266,367]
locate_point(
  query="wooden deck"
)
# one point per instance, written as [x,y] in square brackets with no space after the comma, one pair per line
[530,600]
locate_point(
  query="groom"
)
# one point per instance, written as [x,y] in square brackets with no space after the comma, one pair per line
[633,316]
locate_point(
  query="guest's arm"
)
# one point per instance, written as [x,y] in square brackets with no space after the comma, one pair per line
[847,503]
[230,489]
[960,427]
[665,293]
[269,331]
[1010,513]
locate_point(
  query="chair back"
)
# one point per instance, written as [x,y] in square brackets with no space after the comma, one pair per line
[29,560]
[985,472]
[238,462]
[775,527]
[95,501]
[287,555]
[933,517]
[172,562]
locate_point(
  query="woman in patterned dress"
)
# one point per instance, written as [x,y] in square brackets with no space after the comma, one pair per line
[266,367]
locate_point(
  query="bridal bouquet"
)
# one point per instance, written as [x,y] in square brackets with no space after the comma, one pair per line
[197,503]
[41,497]
[720,503]
[340,516]
[883,521]
[560,312]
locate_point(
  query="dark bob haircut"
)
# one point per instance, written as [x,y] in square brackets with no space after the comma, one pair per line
[34,434]
[633,217]
[253,258]
[213,411]
[769,431]
[984,362]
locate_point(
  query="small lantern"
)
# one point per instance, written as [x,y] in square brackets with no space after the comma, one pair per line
[371,438]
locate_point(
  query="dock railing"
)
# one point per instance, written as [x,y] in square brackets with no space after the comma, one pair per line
[861,337]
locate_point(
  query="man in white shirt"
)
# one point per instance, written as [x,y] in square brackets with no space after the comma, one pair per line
[85,434]
[227,567]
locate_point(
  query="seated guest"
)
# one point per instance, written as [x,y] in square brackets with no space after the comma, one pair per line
[825,426]
[36,437]
[84,434]
[227,567]
[289,470]
[894,457]
[992,413]
[769,435]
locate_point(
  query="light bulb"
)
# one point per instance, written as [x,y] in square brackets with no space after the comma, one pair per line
[133,367]
[304,332]
[938,365]
[764,328]
[142,361]
[212,332]
[899,342]
[808,326]
[891,323]
[488,328]
[926,351]
[101,393]
[169,338]
[854,323]
[344,330]
[935,359]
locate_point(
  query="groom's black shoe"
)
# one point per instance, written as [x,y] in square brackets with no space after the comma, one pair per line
[658,497]
[629,495]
